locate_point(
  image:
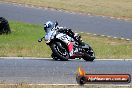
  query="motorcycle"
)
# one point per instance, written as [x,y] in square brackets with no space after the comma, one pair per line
[65,47]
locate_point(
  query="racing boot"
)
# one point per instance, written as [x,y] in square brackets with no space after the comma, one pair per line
[78,39]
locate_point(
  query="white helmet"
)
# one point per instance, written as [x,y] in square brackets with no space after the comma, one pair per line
[48,26]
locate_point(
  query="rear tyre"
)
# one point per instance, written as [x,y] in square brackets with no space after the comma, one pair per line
[60,51]
[89,54]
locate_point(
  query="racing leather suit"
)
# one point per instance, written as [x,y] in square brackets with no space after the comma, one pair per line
[70,33]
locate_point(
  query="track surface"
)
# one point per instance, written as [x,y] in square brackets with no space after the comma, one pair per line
[55,72]
[78,22]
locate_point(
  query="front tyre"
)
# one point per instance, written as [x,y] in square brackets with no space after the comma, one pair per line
[89,54]
[54,57]
[60,51]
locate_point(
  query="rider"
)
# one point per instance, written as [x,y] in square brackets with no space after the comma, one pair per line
[49,25]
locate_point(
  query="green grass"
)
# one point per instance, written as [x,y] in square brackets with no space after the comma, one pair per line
[22,42]
[116,8]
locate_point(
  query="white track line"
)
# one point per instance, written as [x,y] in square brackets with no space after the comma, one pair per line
[51,58]
[118,85]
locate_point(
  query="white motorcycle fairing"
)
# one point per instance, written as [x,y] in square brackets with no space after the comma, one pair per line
[66,39]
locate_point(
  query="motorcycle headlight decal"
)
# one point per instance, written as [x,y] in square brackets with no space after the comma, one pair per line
[47,41]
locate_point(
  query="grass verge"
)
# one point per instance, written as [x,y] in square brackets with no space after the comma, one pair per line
[116,8]
[25,85]
[22,42]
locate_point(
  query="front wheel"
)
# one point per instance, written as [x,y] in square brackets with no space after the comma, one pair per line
[54,57]
[89,54]
[60,51]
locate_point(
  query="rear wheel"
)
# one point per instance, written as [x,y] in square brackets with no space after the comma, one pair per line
[60,51]
[89,54]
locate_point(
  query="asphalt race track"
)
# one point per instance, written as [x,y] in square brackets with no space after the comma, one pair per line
[78,22]
[47,71]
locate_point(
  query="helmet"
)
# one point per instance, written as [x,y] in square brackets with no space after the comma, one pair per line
[48,26]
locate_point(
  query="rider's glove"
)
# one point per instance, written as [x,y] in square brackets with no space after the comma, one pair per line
[77,36]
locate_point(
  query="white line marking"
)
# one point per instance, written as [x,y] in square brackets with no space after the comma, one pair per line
[115,59]
[88,33]
[26,5]
[109,36]
[115,37]
[112,17]
[103,16]
[118,85]
[95,34]
[122,38]
[118,18]
[128,39]
[40,7]
[57,84]
[125,85]
[88,14]
[102,35]
[51,58]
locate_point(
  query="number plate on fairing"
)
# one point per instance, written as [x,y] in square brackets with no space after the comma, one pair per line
[63,37]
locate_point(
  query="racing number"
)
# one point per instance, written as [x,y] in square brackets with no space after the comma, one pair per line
[64,37]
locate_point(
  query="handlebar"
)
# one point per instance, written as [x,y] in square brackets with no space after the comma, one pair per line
[40,40]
